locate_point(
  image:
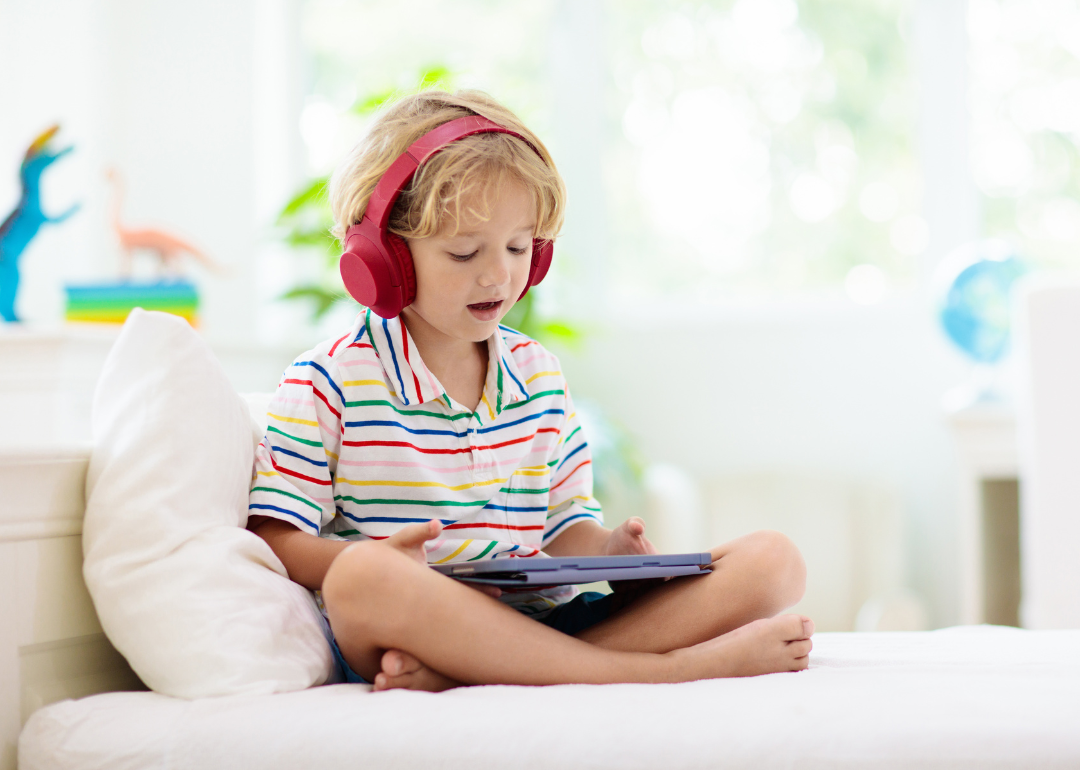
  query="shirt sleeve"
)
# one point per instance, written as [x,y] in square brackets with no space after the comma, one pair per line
[570,498]
[296,461]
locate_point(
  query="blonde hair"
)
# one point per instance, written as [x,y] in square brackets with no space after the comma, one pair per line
[434,198]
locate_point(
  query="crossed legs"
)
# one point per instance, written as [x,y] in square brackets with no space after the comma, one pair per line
[440,632]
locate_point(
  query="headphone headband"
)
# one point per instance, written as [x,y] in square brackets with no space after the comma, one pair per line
[401,171]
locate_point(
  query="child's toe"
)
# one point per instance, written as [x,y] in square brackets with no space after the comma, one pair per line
[391,663]
[791,627]
[403,682]
[409,664]
[398,662]
[800,648]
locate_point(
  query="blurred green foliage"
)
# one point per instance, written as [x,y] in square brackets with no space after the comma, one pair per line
[305,220]
[819,88]
[1025,128]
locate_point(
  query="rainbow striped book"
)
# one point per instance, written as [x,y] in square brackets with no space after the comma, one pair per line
[111,302]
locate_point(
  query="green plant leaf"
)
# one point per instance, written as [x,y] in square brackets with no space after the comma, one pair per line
[437,75]
[321,239]
[368,104]
[561,330]
[314,194]
[433,76]
[322,299]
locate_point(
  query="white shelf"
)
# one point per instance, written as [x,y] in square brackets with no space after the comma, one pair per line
[47,378]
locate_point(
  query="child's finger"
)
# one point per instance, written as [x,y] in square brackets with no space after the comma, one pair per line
[635,526]
[416,534]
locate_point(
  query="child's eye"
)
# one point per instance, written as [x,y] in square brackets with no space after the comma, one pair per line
[463,257]
[520,250]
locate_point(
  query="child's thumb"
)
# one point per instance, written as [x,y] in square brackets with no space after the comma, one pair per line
[635,525]
[417,534]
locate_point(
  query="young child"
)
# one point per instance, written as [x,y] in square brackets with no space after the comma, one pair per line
[436,435]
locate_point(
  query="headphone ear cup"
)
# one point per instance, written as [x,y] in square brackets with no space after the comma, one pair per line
[373,271]
[541,262]
[399,249]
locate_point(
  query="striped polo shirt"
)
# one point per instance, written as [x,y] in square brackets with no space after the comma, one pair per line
[363,439]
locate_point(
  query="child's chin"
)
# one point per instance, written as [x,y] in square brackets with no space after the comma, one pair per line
[478,331]
[483,336]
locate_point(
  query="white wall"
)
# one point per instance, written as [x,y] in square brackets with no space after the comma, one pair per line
[173,94]
[51,71]
[845,391]
[842,391]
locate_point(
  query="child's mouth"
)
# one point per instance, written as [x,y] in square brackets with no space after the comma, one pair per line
[486,311]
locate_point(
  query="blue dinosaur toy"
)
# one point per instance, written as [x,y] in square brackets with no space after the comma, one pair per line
[24,222]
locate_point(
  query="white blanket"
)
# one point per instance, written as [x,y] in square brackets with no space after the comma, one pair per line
[979,697]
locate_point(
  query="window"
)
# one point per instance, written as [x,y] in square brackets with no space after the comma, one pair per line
[764,145]
[360,49]
[1025,114]
[751,147]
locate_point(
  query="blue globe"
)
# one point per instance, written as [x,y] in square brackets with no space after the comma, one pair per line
[975,304]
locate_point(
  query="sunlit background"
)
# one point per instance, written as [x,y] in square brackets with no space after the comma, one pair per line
[761,192]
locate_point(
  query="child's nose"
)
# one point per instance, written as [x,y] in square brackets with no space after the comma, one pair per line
[496,271]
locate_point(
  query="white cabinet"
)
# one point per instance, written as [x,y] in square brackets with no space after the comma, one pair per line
[987,551]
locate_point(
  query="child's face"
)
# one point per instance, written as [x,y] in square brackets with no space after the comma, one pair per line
[467,280]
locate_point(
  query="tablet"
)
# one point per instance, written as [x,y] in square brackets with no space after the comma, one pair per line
[570,570]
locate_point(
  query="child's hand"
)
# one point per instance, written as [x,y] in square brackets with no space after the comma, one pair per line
[628,538]
[410,541]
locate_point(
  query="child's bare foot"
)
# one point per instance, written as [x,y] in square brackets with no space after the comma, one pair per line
[762,647]
[401,671]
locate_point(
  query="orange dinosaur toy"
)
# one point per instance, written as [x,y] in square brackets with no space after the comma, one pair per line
[168,248]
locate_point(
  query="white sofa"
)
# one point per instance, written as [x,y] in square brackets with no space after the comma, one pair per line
[965,697]
[51,643]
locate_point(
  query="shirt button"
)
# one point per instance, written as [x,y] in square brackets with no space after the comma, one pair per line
[485,471]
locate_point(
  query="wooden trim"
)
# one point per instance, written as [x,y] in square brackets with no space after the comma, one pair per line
[39,530]
[46,454]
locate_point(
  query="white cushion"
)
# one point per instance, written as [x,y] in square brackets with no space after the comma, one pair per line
[197,604]
[963,698]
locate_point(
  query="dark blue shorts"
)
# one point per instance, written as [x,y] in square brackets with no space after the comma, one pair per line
[581,612]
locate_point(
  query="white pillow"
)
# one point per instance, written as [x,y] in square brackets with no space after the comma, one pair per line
[198,605]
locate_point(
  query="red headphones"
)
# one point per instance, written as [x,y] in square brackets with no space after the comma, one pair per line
[377,266]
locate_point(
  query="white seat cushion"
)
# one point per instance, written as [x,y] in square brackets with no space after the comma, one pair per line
[961,698]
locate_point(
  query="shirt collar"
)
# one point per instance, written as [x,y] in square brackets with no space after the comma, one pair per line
[504,385]
[413,383]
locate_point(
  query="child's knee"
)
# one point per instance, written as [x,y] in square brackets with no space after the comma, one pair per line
[364,582]
[780,564]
